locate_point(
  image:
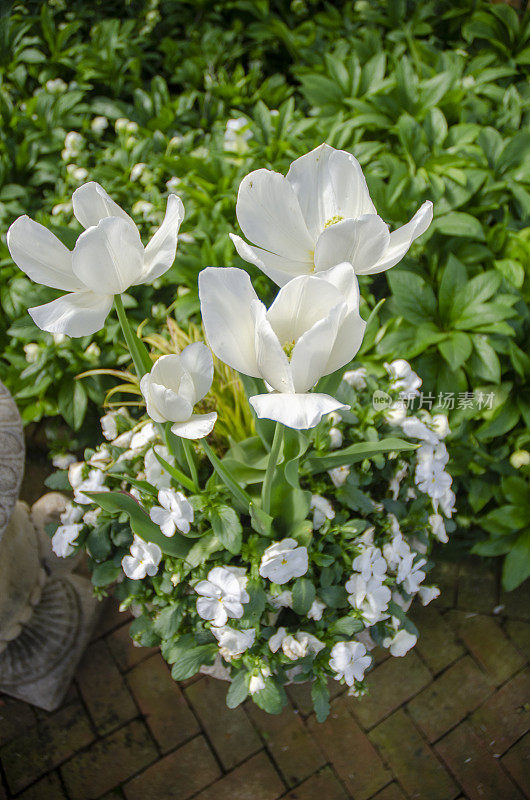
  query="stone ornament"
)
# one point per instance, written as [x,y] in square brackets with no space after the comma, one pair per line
[47,614]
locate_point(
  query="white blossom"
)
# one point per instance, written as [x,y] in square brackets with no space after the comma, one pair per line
[143,560]
[403,377]
[232,642]
[370,564]
[349,661]
[236,136]
[143,437]
[339,475]
[71,514]
[400,643]
[283,561]
[174,512]
[428,593]
[221,596]
[257,680]
[155,474]
[370,597]
[99,124]
[316,610]
[63,539]
[322,510]
[63,460]
[436,521]
[356,378]
[518,459]
[335,438]
[95,482]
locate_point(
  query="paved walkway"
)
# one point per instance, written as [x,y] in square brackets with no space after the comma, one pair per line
[447,721]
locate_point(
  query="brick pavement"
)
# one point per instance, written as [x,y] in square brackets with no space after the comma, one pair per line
[451,720]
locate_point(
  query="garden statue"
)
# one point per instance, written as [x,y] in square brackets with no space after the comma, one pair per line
[46,614]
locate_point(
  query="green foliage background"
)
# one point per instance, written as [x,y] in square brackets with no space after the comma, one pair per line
[432,97]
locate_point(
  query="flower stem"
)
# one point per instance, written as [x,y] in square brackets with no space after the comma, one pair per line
[137,349]
[190,458]
[238,493]
[271,467]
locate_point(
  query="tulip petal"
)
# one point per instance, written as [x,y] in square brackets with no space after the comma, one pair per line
[226,296]
[197,427]
[109,256]
[300,304]
[272,361]
[329,183]
[40,254]
[91,204]
[167,403]
[343,277]
[197,360]
[75,314]
[298,411]
[312,351]
[361,242]
[269,215]
[347,341]
[277,268]
[167,371]
[160,251]
[401,239]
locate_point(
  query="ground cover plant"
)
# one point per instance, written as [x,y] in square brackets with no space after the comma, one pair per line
[432,98]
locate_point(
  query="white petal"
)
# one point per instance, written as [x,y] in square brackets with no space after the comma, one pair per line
[76,314]
[361,242]
[299,411]
[343,277]
[226,296]
[109,257]
[197,360]
[401,240]
[277,268]
[167,371]
[197,427]
[347,341]
[269,215]
[40,254]
[329,183]
[92,203]
[312,351]
[160,251]
[171,406]
[272,361]
[300,304]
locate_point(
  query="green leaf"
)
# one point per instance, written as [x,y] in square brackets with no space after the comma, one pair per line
[413,298]
[98,543]
[320,697]
[457,223]
[516,568]
[238,690]
[271,698]
[58,481]
[517,491]
[334,596]
[227,527]
[453,279]
[168,621]
[141,524]
[346,626]
[105,573]
[260,521]
[253,610]
[303,595]
[456,349]
[188,662]
[321,462]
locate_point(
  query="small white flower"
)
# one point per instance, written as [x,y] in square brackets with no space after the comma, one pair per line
[349,661]
[257,680]
[144,436]
[63,539]
[73,142]
[316,610]
[233,642]
[431,478]
[109,425]
[339,475]
[32,351]
[56,86]
[395,551]
[174,385]
[71,514]
[335,438]
[371,564]
[395,483]
[91,517]
[518,459]
[284,560]
[436,521]
[237,134]
[282,600]
[137,171]
[410,574]
[397,413]
[155,474]
[95,482]
[447,503]
[143,560]
[403,377]
[99,124]
[63,460]
[415,428]
[428,593]
[322,510]
[401,643]
[356,378]
[174,512]
[101,458]
[440,426]
[300,644]
[172,184]
[370,597]
[221,597]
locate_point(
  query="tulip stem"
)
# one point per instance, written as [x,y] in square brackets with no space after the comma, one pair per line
[238,493]
[271,468]
[190,458]
[137,349]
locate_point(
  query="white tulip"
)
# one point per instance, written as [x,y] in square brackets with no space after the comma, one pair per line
[284,560]
[174,385]
[107,259]
[349,661]
[174,511]
[143,559]
[64,537]
[318,216]
[312,329]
